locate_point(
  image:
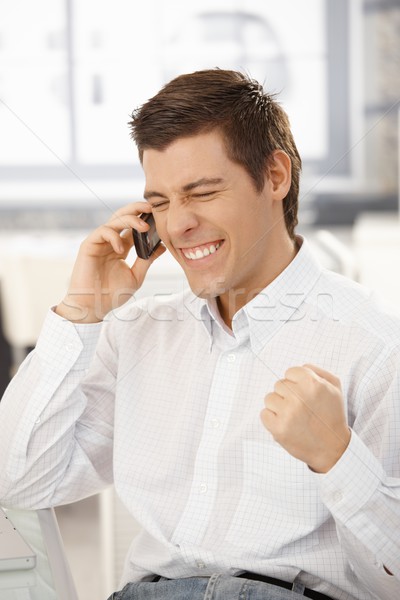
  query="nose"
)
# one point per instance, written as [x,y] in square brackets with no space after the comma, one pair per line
[181,220]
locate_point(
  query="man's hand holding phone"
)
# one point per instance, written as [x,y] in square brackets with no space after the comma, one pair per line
[101,278]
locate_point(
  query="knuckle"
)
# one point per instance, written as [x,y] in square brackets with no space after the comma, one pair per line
[290,372]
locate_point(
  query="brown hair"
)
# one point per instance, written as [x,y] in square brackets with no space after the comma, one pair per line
[252,122]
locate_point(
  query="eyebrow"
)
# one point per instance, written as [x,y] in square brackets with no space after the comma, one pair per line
[201,182]
[188,187]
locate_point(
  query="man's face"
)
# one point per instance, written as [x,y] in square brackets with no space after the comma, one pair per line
[210,217]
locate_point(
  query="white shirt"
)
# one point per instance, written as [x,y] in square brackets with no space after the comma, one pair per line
[168,408]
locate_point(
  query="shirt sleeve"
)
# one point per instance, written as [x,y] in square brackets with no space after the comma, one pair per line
[56,433]
[362,491]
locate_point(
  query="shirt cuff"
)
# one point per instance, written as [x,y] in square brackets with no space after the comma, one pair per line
[65,344]
[352,480]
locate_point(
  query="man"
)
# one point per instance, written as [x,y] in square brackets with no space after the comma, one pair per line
[304,501]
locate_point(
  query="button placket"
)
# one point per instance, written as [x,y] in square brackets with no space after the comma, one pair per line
[195,517]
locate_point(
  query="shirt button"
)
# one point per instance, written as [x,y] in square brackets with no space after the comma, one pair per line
[200,565]
[338,496]
[215,423]
[231,358]
[203,488]
[69,347]
[38,420]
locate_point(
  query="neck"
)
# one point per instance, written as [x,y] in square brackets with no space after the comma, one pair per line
[233,300]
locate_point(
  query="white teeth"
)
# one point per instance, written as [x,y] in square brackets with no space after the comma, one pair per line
[201,253]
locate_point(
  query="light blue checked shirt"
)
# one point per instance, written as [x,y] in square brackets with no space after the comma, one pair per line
[164,401]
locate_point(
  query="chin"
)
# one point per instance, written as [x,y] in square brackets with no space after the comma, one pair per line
[207,290]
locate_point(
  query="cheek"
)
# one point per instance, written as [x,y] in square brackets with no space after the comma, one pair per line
[246,241]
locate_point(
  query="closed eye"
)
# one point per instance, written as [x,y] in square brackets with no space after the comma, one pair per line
[163,204]
[203,195]
[157,206]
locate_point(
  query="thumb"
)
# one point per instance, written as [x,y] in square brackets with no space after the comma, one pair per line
[141,265]
[327,375]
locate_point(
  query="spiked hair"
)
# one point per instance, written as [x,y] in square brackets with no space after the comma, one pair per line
[251,121]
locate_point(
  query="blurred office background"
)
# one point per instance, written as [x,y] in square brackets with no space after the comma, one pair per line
[71,73]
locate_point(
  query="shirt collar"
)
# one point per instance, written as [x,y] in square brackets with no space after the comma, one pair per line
[265,314]
[282,298]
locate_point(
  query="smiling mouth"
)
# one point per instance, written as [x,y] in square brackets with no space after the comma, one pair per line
[199,252]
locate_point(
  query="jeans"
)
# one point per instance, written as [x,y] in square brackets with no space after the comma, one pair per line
[216,587]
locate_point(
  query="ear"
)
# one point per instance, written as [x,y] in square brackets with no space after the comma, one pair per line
[279,174]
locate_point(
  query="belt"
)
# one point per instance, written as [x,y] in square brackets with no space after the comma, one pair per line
[272,581]
[283,584]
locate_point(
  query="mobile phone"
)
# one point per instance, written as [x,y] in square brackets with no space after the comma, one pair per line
[147,242]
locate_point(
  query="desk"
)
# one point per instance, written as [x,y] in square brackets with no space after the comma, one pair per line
[51,578]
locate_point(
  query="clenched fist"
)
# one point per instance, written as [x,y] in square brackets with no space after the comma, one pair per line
[305,414]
